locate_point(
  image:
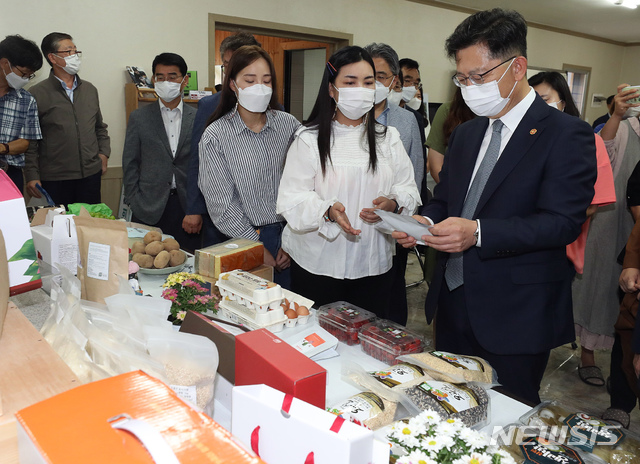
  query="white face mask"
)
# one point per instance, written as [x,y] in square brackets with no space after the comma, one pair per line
[632,112]
[355,102]
[15,81]
[382,92]
[168,91]
[409,92]
[394,98]
[254,98]
[72,64]
[555,104]
[414,103]
[485,99]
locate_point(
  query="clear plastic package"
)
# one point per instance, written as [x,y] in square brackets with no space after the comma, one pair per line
[450,367]
[344,320]
[366,409]
[386,340]
[250,290]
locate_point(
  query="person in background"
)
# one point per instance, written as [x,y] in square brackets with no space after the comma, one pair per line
[387,69]
[595,297]
[340,168]
[242,153]
[196,207]
[605,117]
[157,153]
[449,116]
[19,60]
[554,90]
[74,151]
[513,193]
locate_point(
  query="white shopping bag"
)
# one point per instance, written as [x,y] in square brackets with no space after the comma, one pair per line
[282,429]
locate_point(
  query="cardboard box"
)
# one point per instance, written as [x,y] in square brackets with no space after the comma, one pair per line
[237,253]
[21,255]
[77,426]
[262,357]
[265,271]
[281,429]
[222,333]
[56,241]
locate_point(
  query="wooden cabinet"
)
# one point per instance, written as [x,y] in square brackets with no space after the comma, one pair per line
[133,96]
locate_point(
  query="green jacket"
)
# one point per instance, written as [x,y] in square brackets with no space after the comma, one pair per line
[73,134]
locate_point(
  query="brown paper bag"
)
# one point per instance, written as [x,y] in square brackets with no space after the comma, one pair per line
[4,282]
[104,255]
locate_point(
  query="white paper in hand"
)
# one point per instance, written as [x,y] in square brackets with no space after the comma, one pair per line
[406,224]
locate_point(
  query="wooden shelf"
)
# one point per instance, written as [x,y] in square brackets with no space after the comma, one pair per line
[134,95]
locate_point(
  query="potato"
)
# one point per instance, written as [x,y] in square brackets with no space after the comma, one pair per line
[144,261]
[152,236]
[136,255]
[138,247]
[154,248]
[171,244]
[177,257]
[161,260]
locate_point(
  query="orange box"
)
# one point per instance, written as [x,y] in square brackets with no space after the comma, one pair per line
[73,427]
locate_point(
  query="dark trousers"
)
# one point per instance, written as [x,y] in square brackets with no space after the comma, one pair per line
[397,311]
[622,396]
[15,174]
[520,375]
[370,293]
[271,238]
[210,233]
[171,223]
[65,192]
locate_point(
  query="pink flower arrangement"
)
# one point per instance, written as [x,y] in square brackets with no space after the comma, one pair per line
[186,293]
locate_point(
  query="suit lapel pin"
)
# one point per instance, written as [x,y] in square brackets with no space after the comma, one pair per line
[533,131]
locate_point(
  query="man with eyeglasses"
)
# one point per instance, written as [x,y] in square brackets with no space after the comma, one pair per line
[513,192]
[387,67]
[19,60]
[72,156]
[157,152]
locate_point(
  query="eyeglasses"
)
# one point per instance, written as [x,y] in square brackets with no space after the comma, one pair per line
[171,77]
[70,52]
[476,79]
[22,73]
[383,76]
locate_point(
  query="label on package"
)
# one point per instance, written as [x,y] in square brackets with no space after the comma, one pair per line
[588,431]
[68,256]
[98,261]
[348,312]
[395,333]
[461,362]
[398,374]
[453,398]
[309,342]
[186,392]
[537,450]
[359,408]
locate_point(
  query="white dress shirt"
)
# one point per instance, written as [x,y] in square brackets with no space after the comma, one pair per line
[305,194]
[172,119]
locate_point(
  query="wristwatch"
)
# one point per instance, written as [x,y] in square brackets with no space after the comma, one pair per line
[476,234]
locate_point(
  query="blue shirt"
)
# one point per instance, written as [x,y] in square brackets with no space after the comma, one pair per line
[18,120]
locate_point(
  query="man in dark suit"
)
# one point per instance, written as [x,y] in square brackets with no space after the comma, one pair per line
[513,192]
[196,205]
[157,150]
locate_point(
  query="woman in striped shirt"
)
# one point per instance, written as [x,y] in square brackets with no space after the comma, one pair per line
[340,168]
[242,153]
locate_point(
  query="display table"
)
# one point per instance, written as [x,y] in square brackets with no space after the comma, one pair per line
[30,371]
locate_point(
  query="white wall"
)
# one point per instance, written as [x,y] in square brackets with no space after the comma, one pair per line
[631,66]
[117,33]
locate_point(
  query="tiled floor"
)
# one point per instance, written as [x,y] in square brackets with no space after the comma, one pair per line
[560,382]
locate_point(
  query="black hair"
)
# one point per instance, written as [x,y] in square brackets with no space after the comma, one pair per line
[559,84]
[51,42]
[21,52]
[237,40]
[503,32]
[170,59]
[610,99]
[409,64]
[240,59]
[321,116]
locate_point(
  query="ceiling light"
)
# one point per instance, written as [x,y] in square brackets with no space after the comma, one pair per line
[626,3]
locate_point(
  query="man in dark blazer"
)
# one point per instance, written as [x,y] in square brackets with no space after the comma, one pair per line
[502,288]
[157,151]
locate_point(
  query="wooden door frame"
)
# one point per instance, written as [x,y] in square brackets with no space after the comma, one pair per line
[255,26]
[278,60]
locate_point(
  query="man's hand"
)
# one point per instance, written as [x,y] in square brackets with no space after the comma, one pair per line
[283,260]
[636,364]
[268,258]
[368,214]
[629,280]
[452,235]
[192,223]
[32,189]
[337,214]
[105,162]
[405,240]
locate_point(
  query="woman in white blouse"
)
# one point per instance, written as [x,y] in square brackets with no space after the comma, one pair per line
[341,167]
